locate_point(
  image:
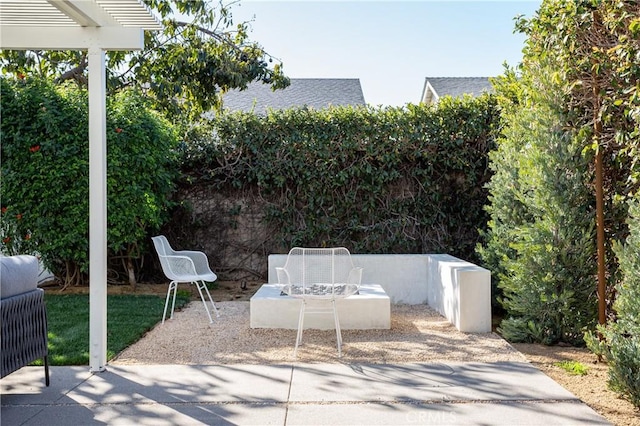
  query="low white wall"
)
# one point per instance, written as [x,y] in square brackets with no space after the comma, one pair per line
[402,276]
[368,310]
[459,290]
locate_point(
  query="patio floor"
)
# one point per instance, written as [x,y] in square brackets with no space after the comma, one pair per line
[501,393]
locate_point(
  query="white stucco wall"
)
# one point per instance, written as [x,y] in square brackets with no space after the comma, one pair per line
[461,291]
[402,276]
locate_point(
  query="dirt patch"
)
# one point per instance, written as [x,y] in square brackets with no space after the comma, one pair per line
[590,388]
[221,291]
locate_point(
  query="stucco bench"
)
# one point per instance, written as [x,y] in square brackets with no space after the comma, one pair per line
[370,309]
[273,305]
[459,290]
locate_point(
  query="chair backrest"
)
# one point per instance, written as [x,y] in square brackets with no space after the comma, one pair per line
[164,251]
[162,245]
[308,266]
[158,243]
[322,273]
[182,265]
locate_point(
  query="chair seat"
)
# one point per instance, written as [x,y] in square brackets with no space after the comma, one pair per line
[322,291]
[202,277]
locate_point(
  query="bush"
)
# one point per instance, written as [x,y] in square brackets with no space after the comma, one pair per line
[45,174]
[45,169]
[540,242]
[621,339]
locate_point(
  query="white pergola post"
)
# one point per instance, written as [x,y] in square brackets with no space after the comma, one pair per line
[97,210]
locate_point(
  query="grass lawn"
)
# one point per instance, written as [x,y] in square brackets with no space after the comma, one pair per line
[129,317]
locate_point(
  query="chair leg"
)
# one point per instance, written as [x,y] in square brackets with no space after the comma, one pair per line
[46,370]
[300,327]
[338,330]
[204,285]
[199,285]
[173,286]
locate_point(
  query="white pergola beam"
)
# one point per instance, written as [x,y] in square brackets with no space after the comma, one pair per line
[71,38]
[85,13]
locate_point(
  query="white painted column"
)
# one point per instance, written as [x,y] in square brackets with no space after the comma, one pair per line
[97,211]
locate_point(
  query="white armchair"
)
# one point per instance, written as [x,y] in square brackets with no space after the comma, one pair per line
[319,276]
[184,266]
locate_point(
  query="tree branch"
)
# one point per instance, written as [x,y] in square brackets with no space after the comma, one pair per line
[212,34]
[76,73]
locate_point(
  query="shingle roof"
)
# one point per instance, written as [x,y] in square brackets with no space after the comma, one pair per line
[457,86]
[315,93]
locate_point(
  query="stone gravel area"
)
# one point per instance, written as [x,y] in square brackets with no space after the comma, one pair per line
[417,334]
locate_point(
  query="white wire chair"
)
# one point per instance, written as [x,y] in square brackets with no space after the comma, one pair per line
[319,276]
[184,266]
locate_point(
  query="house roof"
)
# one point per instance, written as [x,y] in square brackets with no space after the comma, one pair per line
[437,87]
[315,93]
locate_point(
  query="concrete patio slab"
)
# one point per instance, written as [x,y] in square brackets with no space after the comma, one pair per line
[177,384]
[513,393]
[26,386]
[495,414]
[503,381]
[150,414]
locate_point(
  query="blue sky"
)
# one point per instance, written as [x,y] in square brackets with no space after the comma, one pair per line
[391,46]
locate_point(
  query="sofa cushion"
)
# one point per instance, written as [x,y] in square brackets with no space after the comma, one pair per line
[18,274]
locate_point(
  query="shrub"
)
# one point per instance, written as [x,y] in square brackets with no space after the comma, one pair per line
[621,339]
[45,168]
[540,242]
[141,173]
[45,173]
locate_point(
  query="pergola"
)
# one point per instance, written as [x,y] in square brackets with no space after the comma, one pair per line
[95,26]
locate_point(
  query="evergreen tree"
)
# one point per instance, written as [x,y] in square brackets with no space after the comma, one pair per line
[540,243]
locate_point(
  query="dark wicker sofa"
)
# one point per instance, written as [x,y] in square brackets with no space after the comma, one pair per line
[23,315]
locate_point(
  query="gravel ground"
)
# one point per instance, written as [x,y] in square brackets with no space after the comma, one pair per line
[417,334]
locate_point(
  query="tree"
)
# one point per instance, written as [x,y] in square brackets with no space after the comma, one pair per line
[580,75]
[540,241]
[621,339]
[596,45]
[184,68]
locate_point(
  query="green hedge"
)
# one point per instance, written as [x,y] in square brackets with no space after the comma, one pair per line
[386,180]
[45,183]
